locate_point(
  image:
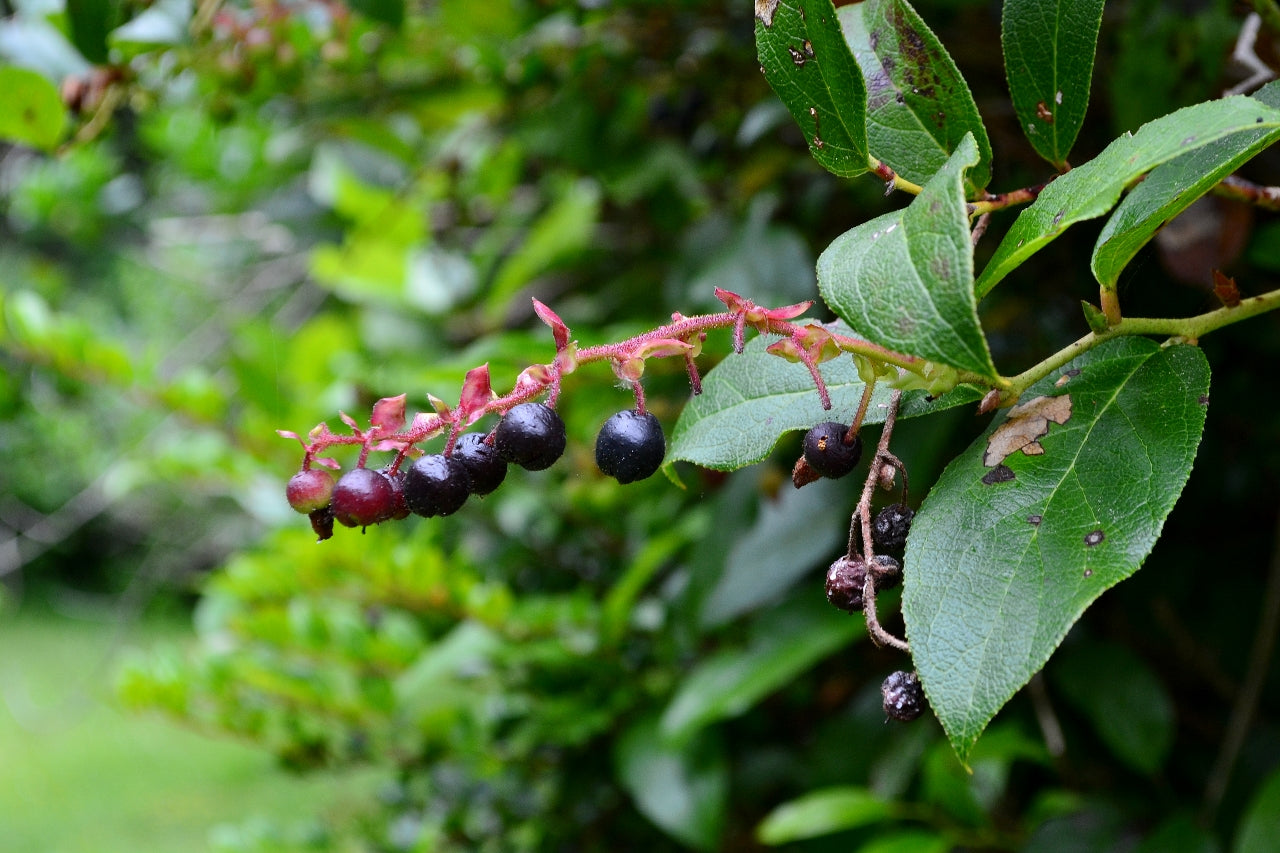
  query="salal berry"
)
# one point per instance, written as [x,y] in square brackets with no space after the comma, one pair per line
[399,509]
[903,696]
[891,525]
[531,435]
[826,451]
[888,571]
[310,490]
[362,497]
[846,579]
[485,468]
[436,485]
[630,446]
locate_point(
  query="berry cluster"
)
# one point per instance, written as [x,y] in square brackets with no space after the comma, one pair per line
[630,447]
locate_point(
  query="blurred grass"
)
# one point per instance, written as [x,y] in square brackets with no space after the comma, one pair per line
[78,775]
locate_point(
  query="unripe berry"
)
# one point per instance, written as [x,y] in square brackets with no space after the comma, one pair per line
[903,696]
[531,435]
[362,497]
[485,468]
[309,490]
[845,581]
[891,525]
[630,446]
[826,451]
[436,485]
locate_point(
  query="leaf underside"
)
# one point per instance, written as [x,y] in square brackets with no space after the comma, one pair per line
[1004,559]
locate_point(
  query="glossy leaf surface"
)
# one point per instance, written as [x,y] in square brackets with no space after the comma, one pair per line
[822,812]
[904,280]
[805,59]
[1009,549]
[919,108]
[751,398]
[1049,46]
[1091,189]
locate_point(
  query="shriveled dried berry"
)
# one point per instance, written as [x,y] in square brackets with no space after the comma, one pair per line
[903,696]
[846,578]
[827,452]
[436,485]
[531,435]
[362,497]
[888,571]
[891,525]
[485,468]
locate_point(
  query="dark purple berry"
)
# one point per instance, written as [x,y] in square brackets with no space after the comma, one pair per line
[845,581]
[903,696]
[310,490]
[485,467]
[891,525]
[630,446]
[436,485]
[826,451]
[399,509]
[362,497]
[531,435]
[888,571]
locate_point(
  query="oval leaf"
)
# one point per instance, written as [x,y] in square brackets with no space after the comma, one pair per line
[1090,190]
[751,398]
[33,112]
[805,59]
[1049,47]
[905,280]
[919,108]
[786,642]
[823,812]
[1260,826]
[1166,192]
[1006,556]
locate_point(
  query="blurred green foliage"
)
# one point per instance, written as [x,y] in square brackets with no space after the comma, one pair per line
[275,211]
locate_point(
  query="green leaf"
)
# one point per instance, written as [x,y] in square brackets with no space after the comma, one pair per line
[908,841]
[1166,192]
[919,108]
[751,398]
[1181,833]
[785,642]
[805,59]
[681,786]
[1260,826]
[89,22]
[1122,698]
[390,12]
[767,560]
[32,112]
[823,812]
[1009,549]
[1090,190]
[904,280]
[1049,46]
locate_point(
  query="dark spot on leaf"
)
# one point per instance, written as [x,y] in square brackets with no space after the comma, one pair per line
[808,48]
[1035,519]
[1044,113]
[1057,217]
[874,38]
[901,98]
[819,143]
[940,267]
[1204,399]
[796,56]
[1094,537]
[1088,573]
[1075,371]
[999,474]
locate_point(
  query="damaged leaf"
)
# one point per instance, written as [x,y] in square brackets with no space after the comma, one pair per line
[1024,425]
